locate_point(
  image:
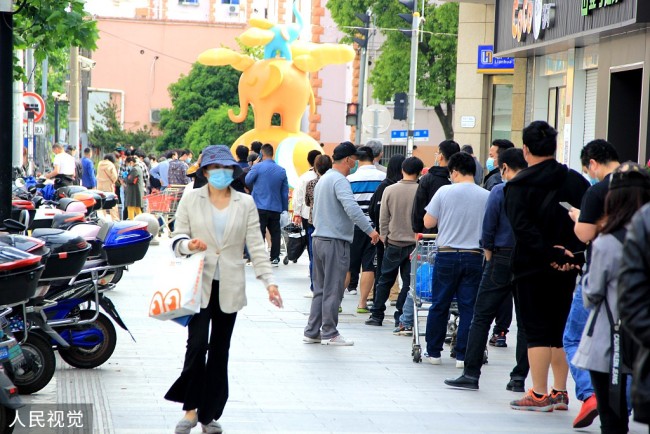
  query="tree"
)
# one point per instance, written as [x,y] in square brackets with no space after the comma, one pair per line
[204,88]
[107,132]
[48,26]
[215,128]
[436,83]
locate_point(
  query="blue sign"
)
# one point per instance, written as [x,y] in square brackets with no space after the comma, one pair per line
[402,135]
[488,64]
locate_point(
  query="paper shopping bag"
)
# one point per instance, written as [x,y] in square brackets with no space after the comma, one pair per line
[179,289]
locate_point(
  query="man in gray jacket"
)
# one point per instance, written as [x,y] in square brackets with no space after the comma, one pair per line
[335,213]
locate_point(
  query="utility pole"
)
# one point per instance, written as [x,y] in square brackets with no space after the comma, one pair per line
[414,19]
[363,45]
[73,114]
[6,105]
[30,67]
[18,115]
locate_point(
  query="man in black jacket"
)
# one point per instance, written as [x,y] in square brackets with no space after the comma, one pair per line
[437,177]
[544,265]
[493,164]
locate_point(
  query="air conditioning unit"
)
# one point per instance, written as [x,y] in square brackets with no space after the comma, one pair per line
[233,9]
[154,116]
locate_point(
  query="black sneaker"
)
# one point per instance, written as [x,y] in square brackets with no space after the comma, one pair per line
[275,262]
[501,341]
[463,382]
[373,321]
[516,386]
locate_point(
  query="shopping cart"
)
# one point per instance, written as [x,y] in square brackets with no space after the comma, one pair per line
[422,268]
[163,204]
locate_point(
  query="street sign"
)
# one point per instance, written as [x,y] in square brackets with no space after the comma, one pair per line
[488,64]
[398,136]
[39,129]
[34,103]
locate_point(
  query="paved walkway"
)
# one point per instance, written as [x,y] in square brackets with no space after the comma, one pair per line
[279,384]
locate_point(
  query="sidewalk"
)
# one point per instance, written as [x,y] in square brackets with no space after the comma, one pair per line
[278,384]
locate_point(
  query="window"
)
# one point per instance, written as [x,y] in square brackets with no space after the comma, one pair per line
[501,111]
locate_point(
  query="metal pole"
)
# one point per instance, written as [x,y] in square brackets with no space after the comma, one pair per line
[410,140]
[18,117]
[6,105]
[73,114]
[362,87]
[56,120]
[30,86]
[375,124]
[29,69]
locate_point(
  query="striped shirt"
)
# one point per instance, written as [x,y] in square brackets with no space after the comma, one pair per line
[364,183]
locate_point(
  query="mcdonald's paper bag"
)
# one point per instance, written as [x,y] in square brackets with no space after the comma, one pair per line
[178,293]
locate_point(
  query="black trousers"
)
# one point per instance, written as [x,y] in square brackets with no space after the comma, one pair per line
[271,220]
[203,385]
[610,422]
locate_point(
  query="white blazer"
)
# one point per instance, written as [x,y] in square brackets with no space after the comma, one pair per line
[194,220]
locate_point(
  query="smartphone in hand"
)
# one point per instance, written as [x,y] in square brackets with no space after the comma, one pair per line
[566,205]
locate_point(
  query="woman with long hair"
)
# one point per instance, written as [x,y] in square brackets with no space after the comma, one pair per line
[629,190]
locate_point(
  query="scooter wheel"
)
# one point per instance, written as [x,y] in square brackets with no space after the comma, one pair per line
[92,357]
[7,417]
[40,365]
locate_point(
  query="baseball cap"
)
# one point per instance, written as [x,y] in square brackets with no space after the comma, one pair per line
[344,150]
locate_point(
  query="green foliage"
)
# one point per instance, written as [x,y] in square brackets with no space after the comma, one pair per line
[107,132]
[51,25]
[436,83]
[216,128]
[204,88]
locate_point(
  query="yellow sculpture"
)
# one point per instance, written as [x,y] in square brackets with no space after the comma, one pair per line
[278,84]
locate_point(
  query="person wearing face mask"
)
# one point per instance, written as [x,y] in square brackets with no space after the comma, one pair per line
[219,221]
[436,177]
[335,212]
[493,165]
[497,241]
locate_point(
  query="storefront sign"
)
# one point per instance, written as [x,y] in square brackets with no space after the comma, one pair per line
[488,64]
[533,17]
[590,5]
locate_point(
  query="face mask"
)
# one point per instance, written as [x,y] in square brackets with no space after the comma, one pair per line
[188,161]
[220,178]
[355,167]
[489,164]
[593,181]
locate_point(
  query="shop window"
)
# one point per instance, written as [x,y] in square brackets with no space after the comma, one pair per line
[501,111]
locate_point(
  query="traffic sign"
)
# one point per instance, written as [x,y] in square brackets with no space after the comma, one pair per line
[33,102]
[39,129]
[402,135]
[376,119]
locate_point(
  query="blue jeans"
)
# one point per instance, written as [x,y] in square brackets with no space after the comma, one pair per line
[408,311]
[455,273]
[572,334]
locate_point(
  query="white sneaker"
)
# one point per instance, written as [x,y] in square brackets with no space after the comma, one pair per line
[309,340]
[351,292]
[338,341]
[433,360]
[309,294]
[460,364]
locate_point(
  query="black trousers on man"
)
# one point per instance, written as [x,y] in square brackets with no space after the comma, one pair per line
[203,385]
[271,220]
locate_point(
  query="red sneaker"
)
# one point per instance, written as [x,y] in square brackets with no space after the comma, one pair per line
[587,414]
[560,400]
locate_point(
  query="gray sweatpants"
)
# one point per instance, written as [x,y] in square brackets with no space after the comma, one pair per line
[330,265]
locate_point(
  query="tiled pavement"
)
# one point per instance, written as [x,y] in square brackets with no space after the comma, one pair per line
[278,384]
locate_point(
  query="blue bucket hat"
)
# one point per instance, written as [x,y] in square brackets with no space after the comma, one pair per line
[219,154]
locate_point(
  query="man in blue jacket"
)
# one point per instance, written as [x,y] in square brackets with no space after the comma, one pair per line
[88,179]
[271,194]
[497,240]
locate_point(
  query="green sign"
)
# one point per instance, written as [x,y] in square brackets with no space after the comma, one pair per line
[590,5]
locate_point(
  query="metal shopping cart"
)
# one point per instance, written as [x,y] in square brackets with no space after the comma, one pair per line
[422,263]
[163,204]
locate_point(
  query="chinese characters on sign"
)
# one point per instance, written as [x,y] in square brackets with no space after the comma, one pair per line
[532,16]
[53,418]
[590,5]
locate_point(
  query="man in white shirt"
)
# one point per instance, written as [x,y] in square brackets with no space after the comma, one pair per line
[64,167]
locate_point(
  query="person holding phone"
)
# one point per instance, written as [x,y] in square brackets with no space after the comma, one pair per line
[599,159]
[543,274]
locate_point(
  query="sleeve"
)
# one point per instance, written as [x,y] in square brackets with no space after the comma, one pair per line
[155,172]
[112,173]
[375,205]
[433,208]
[309,194]
[182,227]
[592,207]
[350,205]
[596,281]
[421,200]
[285,193]
[251,177]
[384,214]
[299,197]
[256,250]
[634,280]
[490,220]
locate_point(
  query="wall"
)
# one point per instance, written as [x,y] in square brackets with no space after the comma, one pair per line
[143,57]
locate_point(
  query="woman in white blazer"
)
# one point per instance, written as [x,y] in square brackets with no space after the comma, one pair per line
[220,221]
